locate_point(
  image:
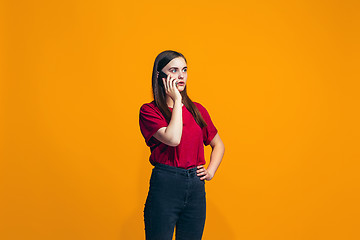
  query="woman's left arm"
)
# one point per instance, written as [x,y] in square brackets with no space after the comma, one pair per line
[216,156]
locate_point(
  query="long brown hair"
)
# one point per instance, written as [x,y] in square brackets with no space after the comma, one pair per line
[159,92]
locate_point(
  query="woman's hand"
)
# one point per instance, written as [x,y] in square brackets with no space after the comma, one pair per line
[204,173]
[171,88]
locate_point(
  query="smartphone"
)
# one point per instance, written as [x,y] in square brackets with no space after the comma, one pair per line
[162,75]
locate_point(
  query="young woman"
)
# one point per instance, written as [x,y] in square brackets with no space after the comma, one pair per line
[176,130]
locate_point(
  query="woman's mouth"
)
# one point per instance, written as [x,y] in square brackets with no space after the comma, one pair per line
[180,83]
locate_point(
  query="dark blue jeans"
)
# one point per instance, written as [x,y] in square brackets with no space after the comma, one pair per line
[176,198]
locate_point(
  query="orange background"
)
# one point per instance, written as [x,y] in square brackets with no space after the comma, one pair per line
[280,80]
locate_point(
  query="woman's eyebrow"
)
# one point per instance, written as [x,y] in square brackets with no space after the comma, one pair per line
[177,68]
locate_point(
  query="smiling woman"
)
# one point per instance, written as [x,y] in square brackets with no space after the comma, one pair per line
[176,130]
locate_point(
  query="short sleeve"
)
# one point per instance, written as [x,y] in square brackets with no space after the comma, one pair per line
[150,121]
[210,130]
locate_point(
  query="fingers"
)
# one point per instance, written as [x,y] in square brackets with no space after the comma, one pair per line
[200,168]
[174,83]
[169,83]
[201,171]
[164,83]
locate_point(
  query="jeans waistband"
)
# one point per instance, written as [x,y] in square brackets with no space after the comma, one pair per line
[176,170]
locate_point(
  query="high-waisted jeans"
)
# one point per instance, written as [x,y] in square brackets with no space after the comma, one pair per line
[176,198]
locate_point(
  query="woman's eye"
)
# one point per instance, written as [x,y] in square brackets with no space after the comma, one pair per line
[174,70]
[185,70]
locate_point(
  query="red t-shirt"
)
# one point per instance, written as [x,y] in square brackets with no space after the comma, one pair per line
[190,152]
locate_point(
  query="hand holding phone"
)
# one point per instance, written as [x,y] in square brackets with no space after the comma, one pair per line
[173,92]
[162,75]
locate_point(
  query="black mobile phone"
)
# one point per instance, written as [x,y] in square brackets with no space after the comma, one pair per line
[162,75]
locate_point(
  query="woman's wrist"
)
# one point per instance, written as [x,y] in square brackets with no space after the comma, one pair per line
[177,102]
[211,172]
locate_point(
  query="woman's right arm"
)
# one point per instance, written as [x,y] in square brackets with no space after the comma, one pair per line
[171,135]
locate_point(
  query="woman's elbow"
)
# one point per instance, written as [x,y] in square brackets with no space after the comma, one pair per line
[174,142]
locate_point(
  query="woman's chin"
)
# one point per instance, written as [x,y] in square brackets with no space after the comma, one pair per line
[181,88]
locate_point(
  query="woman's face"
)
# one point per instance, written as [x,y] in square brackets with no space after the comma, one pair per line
[177,69]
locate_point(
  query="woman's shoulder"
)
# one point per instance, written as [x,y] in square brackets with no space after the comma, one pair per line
[204,112]
[150,106]
[199,106]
